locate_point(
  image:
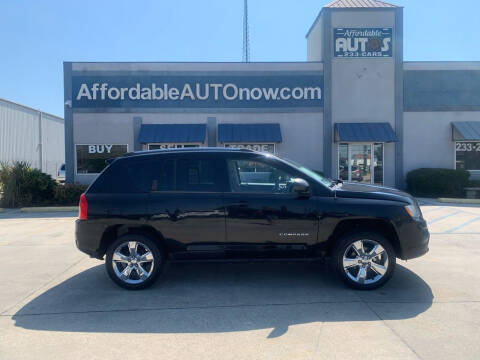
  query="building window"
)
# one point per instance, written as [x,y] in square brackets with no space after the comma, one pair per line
[467,155]
[355,162]
[170,146]
[91,158]
[270,148]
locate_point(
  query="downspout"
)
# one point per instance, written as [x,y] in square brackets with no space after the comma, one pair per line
[40,141]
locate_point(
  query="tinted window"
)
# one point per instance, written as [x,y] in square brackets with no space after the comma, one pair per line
[146,175]
[137,176]
[152,175]
[199,175]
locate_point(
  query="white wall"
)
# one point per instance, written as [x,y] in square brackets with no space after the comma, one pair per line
[20,137]
[428,139]
[314,41]
[53,143]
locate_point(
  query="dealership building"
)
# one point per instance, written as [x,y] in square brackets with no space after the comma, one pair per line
[354,110]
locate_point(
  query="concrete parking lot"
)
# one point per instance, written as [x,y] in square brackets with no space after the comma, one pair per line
[55,302]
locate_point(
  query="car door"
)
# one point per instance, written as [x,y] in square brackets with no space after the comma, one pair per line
[186,204]
[262,214]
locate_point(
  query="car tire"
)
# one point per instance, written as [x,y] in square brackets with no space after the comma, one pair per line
[364,260]
[134,261]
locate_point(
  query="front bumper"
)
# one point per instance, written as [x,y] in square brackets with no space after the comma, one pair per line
[414,239]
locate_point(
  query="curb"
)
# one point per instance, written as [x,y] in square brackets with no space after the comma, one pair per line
[459,201]
[49,209]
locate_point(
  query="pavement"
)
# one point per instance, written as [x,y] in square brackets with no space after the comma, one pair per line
[57,302]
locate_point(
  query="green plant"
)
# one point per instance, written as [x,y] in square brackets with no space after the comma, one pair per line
[25,186]
[432,182]
[69,194]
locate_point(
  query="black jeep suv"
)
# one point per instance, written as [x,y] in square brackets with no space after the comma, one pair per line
[220,203]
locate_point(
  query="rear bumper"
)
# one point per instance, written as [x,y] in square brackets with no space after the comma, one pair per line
[414,239]
[88,238]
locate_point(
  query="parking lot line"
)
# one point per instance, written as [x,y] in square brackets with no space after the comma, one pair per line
[430,222]
[463,225]
[432,209]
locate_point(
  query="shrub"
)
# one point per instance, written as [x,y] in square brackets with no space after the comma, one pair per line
[437,182]
[25,186]
[69,194]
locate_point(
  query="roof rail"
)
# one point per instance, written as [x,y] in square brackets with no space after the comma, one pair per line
[192,149]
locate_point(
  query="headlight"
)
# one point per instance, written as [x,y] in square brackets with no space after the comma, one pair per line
[413,211]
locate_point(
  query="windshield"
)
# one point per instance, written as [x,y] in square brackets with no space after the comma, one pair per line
[316,176]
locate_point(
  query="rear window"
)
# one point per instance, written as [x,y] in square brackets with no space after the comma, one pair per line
[156,174]
[127,176]
[146,176]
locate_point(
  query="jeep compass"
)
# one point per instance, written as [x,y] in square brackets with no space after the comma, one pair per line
[149,207]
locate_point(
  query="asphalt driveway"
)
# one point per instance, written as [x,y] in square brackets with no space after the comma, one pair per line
[56,302]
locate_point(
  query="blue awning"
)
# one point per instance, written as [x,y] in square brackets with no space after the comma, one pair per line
[466,130]
[249,133]
[364,132]
[172,133]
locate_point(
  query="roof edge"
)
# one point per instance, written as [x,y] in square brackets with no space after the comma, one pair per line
[333,2]
[31,108]
[317,19]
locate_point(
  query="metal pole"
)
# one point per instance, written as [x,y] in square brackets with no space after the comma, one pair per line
[40,141]
[246,45]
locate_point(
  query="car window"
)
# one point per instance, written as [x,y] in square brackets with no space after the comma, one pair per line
[137,177]
[258,177]
[199,175]
[152,175]
[310,173]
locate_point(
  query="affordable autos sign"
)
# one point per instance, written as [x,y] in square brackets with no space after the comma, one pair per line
[198,91]
[363,42]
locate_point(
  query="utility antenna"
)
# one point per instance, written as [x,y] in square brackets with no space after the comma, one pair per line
[246,41]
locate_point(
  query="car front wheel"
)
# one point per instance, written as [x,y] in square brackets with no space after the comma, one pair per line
[364,260]
[134,261]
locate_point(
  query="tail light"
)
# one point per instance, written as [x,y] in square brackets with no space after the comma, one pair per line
[83,208]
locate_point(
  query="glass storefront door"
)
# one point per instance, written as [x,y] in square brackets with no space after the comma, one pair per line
[355,162]
[360,163]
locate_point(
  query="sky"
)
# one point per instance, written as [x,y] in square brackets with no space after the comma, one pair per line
[37,36]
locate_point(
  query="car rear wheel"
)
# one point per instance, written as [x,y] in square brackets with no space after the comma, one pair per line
[134,261]
[364,260]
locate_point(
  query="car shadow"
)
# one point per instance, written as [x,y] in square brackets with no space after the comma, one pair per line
[221,297]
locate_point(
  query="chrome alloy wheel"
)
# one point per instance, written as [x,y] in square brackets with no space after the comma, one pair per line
[133,262]
[365,261]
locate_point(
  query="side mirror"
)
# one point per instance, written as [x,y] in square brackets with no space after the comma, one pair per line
[300,187]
